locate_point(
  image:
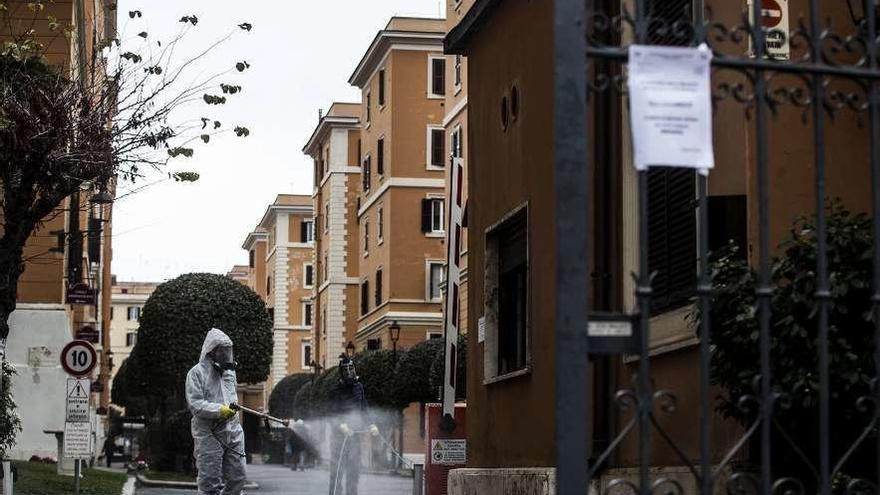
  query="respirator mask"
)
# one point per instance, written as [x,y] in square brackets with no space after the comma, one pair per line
[222,357]
[347,371]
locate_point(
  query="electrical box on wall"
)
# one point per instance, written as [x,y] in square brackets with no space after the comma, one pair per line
[445,451]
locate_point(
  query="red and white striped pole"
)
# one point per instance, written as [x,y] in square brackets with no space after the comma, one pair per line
[453,273]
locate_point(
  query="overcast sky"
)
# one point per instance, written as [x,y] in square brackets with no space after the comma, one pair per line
[301,55]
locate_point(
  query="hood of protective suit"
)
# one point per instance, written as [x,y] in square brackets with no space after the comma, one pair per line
[213,340]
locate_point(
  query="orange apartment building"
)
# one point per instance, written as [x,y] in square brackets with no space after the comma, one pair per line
[241,274]
[255,245]
[455,125]
[335,148]
[65,250]
[400,210]
[289,281]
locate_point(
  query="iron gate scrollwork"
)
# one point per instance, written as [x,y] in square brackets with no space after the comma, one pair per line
[829,72]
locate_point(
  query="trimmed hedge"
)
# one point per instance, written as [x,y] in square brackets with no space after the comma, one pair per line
[178,315]
[282,397]
[439,364]
[412,379]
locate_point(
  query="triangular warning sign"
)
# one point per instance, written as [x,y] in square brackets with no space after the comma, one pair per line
[78,392]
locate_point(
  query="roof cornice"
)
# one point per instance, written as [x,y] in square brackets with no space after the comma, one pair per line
[382,43]
[456,42]
[253,238]
[274,210]
[327,123]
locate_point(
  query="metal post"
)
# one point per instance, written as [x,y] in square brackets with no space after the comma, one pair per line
[571,271]
[7,478]
[76,471]
[418,479]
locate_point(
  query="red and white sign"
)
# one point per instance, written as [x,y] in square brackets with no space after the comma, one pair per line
[774,20]
[771,14]
[79,358]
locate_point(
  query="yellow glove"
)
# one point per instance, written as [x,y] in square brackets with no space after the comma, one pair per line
[345,429]
[374,430]
[226,412]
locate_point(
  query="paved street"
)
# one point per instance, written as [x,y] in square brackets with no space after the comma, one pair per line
[276,480]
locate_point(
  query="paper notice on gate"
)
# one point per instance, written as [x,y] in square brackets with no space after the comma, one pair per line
[671,107]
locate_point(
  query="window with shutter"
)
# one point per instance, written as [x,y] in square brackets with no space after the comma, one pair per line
[307,314]
[438,76]
[380,224]
[303,232]
[366,237]
[381,88]
[426,215]
[380,156]
[366,173]
[365,297]
[672,237]
[457,79]
[308,275]
[368,104]
[437,147]
[667,16]
[378,288]
[436,205]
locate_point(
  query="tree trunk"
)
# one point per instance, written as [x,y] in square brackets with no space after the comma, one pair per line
[11,268]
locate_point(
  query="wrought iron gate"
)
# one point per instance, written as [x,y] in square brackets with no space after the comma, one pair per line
[589,43]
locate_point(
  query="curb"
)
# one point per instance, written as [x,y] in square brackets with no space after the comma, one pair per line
[128,487]
[375,472]
[182,485]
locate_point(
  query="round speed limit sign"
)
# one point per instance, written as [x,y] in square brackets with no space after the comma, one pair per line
[78,358]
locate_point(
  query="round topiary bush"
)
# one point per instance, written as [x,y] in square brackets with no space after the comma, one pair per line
[281,400]
[412,379]
[377,370]
[438,371]
[178,315]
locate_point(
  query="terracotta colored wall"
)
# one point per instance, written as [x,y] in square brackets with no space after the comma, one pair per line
[295,338]
[403,123]
[506,169]
[412,112]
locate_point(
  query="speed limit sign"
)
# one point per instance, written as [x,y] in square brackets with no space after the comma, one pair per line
[78,358]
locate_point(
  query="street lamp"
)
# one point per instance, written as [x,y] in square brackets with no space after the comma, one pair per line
[349,350]
[394,330]
[316,368]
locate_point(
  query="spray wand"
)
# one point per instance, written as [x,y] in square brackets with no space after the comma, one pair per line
[265,417]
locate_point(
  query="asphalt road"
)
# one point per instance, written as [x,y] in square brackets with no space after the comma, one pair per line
[278,480]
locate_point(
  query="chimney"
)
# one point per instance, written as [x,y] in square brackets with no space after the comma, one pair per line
[320,114]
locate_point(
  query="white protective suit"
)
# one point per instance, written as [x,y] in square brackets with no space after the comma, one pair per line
[221,468]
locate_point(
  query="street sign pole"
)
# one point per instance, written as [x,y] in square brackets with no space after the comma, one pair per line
[78,358]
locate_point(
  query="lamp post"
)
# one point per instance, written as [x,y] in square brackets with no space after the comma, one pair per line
[394,330]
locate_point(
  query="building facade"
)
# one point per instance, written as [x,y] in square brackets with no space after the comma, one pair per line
[510,150]
[335,148]
[72,247]
[128,300]
[401,223]
[289,282]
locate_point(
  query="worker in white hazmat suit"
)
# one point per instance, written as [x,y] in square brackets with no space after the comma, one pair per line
[216,431]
